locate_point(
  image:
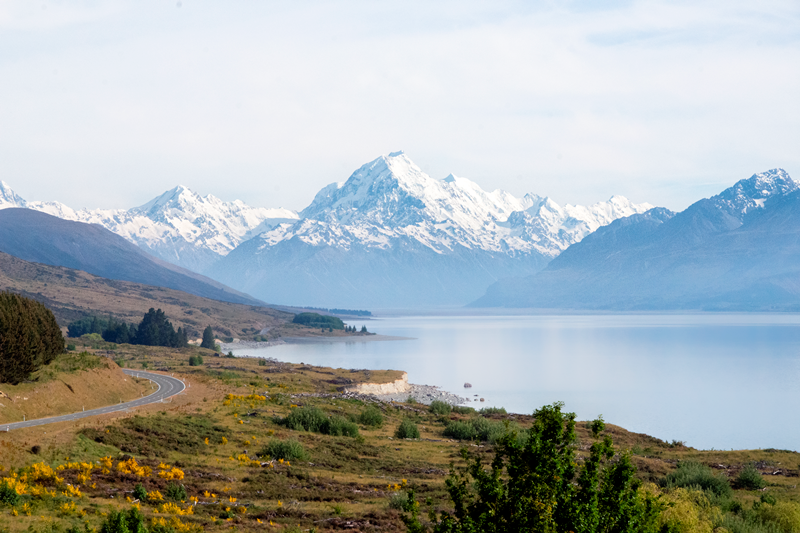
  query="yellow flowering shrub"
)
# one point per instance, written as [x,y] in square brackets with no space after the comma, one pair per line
[130,466]
[155,496]
[172,508]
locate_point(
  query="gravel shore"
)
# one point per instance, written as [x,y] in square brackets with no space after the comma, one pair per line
[424,394]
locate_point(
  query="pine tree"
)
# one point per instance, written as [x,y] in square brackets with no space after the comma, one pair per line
[29,337]
[208,338]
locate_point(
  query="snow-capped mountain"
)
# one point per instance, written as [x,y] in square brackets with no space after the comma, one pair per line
[390,235]
[179,226]
[738,250]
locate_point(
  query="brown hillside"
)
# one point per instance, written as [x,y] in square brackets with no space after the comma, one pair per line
[73,294]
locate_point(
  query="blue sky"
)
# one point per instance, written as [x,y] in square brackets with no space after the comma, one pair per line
[107,104]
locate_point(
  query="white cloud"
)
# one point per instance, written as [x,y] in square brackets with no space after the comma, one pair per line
[660,101]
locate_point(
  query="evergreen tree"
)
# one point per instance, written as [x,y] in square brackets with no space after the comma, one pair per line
[208,339]
[29,337]
[156,330]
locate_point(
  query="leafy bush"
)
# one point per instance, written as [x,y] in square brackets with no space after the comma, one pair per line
[176,492]
[476,428]
[305,419]
[750,479]
[539,486]
[130,521]
[8,495]
[371,417]
[785,515]
[439,407]
[407,430]
[462,409]
[283,449]
[338,426]
[691,474]
[398,500]
[748,523]
[489,411]
[314,420]
[139,493]
[195,360]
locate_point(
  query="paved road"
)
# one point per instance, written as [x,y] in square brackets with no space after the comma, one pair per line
[167,386]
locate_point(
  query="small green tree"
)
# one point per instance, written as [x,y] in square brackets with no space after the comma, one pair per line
[407,430]
[534,484]
[208,338]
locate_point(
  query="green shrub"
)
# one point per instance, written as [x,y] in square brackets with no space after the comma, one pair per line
[691,474]
[462,409]
[305,419]
[130,521]
[748,523]
[287,450]
[475,428]
[71,347]
[489,411]
[371,417]
[785,515]
[120,362]
[398,501]
[195,360]
[313,419]
[407,430]
[8,495]
[338,426]
[139,493]
[262,362]
[176,492]
[440,408]
[750,479]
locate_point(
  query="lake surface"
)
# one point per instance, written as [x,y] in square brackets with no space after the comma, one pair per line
[713,380]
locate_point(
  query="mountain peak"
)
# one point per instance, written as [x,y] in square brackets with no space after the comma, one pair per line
[751,193]
[8,198]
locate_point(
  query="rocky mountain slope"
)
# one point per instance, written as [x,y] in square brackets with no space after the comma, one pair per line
[392,236]
[738,250]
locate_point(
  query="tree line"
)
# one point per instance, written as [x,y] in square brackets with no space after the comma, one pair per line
[29,337]
[155,329]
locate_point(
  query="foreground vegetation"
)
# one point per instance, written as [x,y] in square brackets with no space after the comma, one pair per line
[260,445]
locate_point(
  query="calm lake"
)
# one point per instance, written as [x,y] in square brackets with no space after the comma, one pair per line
[712,380]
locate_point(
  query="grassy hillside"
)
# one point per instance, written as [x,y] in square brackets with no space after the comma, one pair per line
[67,385]
[72,294]
[243,467]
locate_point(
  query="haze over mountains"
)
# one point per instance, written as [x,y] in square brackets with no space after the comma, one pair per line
[738,250]
[389,236]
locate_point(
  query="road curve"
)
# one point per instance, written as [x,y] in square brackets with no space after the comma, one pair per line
[167,386]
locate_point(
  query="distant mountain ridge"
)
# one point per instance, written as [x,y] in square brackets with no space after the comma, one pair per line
[390,235]
[178,226]
[38,237]
[738,250]
[393,236]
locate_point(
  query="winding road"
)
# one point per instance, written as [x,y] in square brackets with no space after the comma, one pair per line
[167,387]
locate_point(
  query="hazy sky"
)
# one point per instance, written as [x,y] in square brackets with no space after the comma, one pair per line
[108,104]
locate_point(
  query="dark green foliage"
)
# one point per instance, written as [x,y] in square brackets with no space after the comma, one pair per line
[489,411]
[88,324]
[364,329]
[690,474]
[597,426]
[535,485]
[29,337]
[176,492]
[749,479]
[462,409]
[371,417]
[439,407]
[476,428]
[195,360]
[262,362]
[8,495]
[208,339]
[314,420]
[118,332]
[748,523]
[315,320]
[288,450]
[157,435]
[130,521]
[70,347]
[139,493]
[156,330]
[407,430]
